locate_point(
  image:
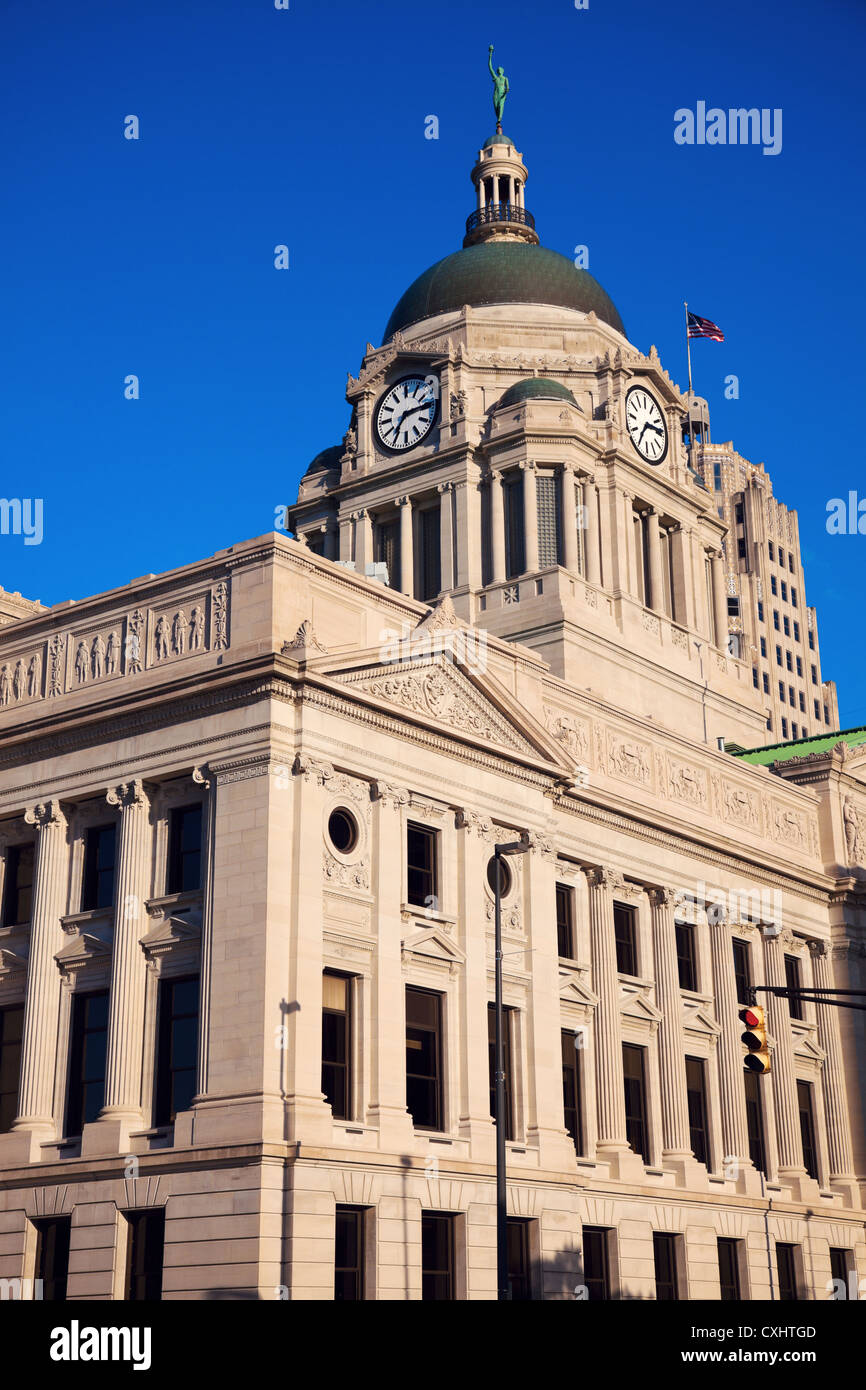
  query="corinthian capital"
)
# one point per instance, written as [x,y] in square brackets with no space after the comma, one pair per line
[44,815]
[603,877]
[664,897]
[128,794]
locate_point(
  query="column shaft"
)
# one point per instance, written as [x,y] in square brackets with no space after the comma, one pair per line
[610,1097]
[128,968]
[569,520]
[530,519]
[655,598]
[497,529]
[446,537]
[784,1076]
[407,552]
[735,1138]
[676,1139]
[835,1098]
[720,603]
[591,538]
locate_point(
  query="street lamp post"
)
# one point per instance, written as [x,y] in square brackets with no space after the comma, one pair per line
[502,1289]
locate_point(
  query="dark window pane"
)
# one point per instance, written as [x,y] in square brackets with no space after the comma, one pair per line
[596,1262]
[635,1099]
[624,933]
[87,1059]
[787,1267]
[431,571]
[145,1255]
[665,1258]
[519,1282]
[807,1128]
[437,1256]
[421,865]
[52,1256]
[18,891]
[349,1255]
[696,1094]
[686,955]
[11,1029]
[423,1058]
[571,1088]
[742,972]
[841,1265]
[565,920]
[506,1067]
[177,1047]
[336,1044]
[98,879]
[793,981]
[184,859]
[755,1119]
[729,1270]
[387,550]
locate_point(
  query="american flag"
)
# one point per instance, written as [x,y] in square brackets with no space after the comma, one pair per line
[704,328]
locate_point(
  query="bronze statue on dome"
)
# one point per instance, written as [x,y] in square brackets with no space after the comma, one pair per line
[500,89]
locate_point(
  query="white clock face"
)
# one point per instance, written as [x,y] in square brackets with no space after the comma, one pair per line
[646,425]
[406,413]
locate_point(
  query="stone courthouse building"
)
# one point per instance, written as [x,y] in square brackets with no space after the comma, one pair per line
[247,814]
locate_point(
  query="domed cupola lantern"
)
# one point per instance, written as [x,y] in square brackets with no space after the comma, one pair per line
[500,179]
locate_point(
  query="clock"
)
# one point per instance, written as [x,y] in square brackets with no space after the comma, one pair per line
[646,425]
[406,413]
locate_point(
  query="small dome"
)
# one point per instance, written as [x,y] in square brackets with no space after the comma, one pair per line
[497,140]
[538,388]
[328,458]
[502,272]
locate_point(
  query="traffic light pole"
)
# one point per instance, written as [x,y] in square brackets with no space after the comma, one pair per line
[812,995]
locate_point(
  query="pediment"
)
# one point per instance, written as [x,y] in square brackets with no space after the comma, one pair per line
[434,945]
[635,1005]
[808,1050]
[697,1020]
[573,991]
[11,963]
[168,934]
[83,949]
[454,697]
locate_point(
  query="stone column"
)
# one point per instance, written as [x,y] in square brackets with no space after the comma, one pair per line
[544,1113]
[735,1133]
[42,1005]
[591,538]
[474,847]
[684,594]
[790,1145]
[388,1043]
[629,574]
[530,518]
[720,602]
[610,1090]
[497,529]
[839,1147]
[363,539]
[676,1140]
[208,837]
[467,541]
[407,553]
[346,547]
[569,519]
[446,536]
[655,598]
[123,1079]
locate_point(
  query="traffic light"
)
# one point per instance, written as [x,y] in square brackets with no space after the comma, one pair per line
[754,1036]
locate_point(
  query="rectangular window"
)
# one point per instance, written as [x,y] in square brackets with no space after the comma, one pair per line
[774,587]
[739,513]
[729,1270]
[817,709]
[790,562]
[349,1255]
[686,963]
[789,661]
[755,678]
[424,1057]
[549,524]
[11,1031]
[87,1059]
[760,611]
[784,726]
[717,477]
[635,1099]
[782,691]
[793,730]
[565,920]
[596,1262]
[696,1095]
[421,865]
[741,548]
[506,1064]
[814,671]
[778,655]
[387,550]
[571,1087]
[770,549]
[430,568]
[797,634]
[841,1267]
[337,1043]
[625,933]
[765,681]
[512,494]
[52,1256]
[781,556]
[793,597]
[826,714]
[784,592]
[754,1119]
[18,889]
[806,1107]
[667,1272]
[184,851]
[786,1263]
[437,1256]
[519,1270]
[97,889]
[742,971]
[776,624]
[144,1256]
[792,697]
[811,640]
[793,981]
[177,1047]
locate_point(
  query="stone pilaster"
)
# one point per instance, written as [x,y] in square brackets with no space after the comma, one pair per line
[474,850]
[388,1101]
[530,518]
[41,1010]
[446,535]
[468,551]
[720,603]
[569,519]
[497,529]
[545,1118]
[790,1148]
[407,553]
[732,1095]
[122,1109]
[676,1142]
[610,1091]
[591,536]
[655,598]
[839,1149]
[208,838]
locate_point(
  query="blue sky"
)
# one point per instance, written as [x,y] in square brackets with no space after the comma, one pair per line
[306,127]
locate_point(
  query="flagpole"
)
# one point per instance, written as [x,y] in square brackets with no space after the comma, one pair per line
[688,345]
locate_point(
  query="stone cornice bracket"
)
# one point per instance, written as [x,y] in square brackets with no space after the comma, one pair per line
[541,844]
[128,794]
[472,821]
[389,795]
[313,769]
[45,814]
[304,643]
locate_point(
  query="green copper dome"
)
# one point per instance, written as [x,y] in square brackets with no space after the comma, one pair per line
[328,458]
[537,388]
[498,139]
[502,272]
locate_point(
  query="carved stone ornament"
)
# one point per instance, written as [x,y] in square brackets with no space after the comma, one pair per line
[313,769]
[437,691]
[390,795]
[304,643]
[854,834]
[441,615]
[44,815]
